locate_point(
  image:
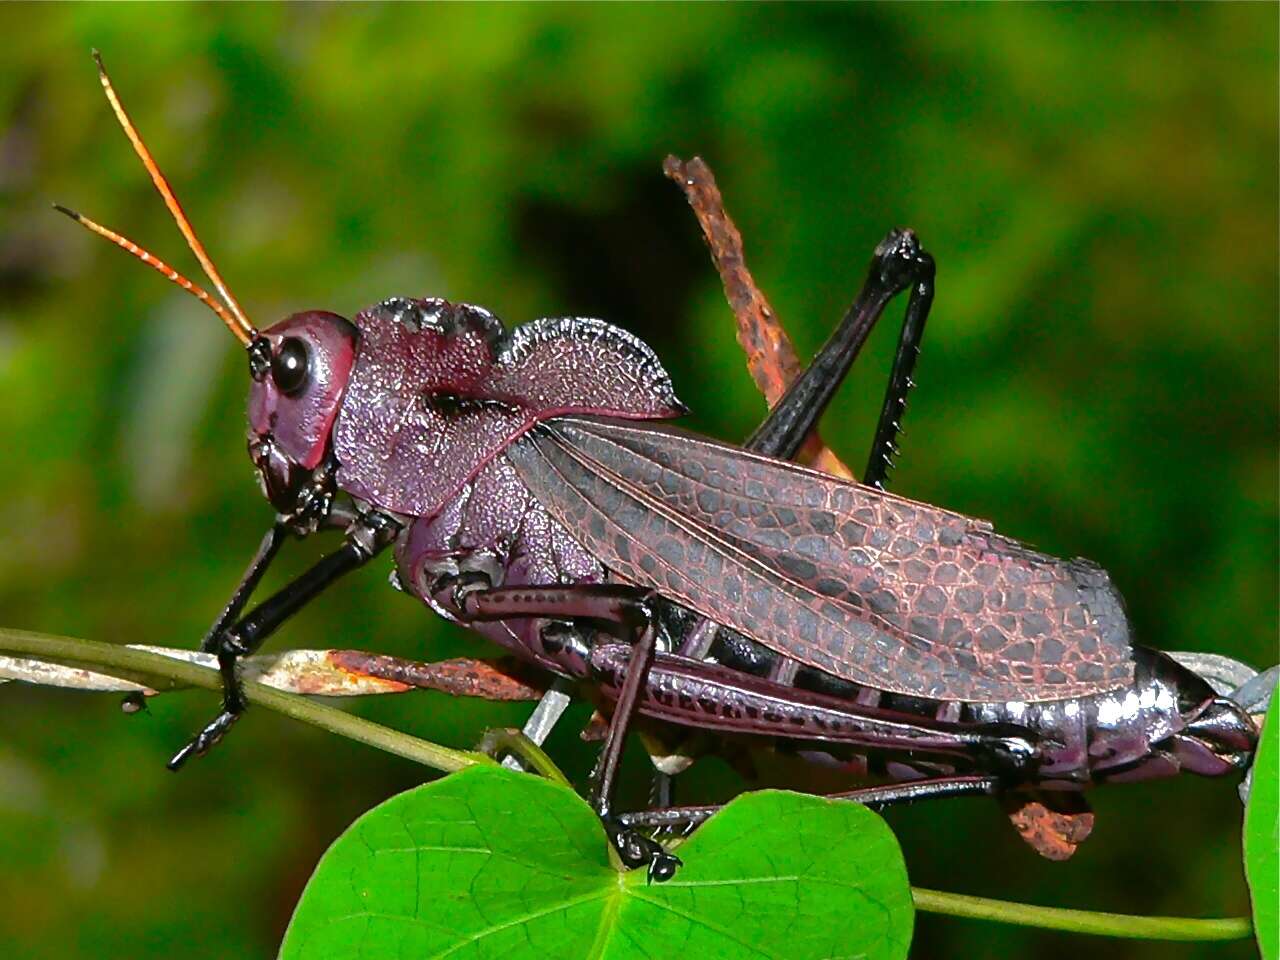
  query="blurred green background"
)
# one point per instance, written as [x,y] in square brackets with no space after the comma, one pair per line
[1098,184]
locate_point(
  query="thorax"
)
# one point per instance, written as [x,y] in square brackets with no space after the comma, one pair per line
[495,526]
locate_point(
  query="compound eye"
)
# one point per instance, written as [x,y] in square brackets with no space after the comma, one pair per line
[289,366]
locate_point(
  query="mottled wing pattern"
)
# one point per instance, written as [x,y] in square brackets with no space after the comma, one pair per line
[870,587]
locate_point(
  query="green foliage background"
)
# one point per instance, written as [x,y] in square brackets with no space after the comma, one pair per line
[1098,183]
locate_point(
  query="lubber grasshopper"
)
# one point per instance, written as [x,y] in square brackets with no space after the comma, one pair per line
[528,487]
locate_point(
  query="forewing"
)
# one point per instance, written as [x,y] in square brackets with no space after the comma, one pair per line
[870,587]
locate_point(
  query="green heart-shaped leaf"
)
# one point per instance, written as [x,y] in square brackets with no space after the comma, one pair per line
[489,863]
[1262,837]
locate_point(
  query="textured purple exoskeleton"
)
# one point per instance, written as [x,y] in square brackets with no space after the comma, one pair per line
[870,587]
[518,472]
[523,459]
[438,390]
[867,586]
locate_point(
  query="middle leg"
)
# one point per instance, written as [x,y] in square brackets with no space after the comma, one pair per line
[629,608]
[898,264]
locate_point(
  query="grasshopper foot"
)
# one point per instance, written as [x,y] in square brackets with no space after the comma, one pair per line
[204,740]
[637,850]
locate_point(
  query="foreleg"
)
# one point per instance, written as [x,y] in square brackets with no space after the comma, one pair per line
[266,552]
[367,537]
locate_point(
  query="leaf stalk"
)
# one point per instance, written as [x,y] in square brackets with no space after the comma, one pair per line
[1081,921]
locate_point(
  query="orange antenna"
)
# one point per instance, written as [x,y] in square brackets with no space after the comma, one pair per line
[243,335]
[240,324]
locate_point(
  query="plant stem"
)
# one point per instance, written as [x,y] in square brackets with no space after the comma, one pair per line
[515,742]
[161,673]
[159,669]
[1082,921]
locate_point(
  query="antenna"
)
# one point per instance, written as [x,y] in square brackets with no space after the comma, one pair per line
[244,336]
[232,315]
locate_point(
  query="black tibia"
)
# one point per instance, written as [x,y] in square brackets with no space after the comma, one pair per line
[605,774]
[370,534]
[633,847]
[661,789]
[883,447]
[267,551]
[898,263]
[625,606]
[339,516]
[686,818]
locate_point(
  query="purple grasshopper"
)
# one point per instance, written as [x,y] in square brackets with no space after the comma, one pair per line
[528,486]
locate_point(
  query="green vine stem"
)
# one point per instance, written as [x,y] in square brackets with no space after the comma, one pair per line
[164,673]
[501,739]
[1081,921]
[161,673]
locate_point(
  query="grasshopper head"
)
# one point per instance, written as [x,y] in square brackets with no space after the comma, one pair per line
[300,366]
[300,369]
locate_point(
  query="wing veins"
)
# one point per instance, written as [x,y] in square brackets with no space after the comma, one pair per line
[731,543]
[757,569]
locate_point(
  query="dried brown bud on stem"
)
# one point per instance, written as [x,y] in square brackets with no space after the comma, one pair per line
[771,357]
[503,679]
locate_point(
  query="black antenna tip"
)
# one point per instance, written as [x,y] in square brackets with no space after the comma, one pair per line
[66,210]
[97,58]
